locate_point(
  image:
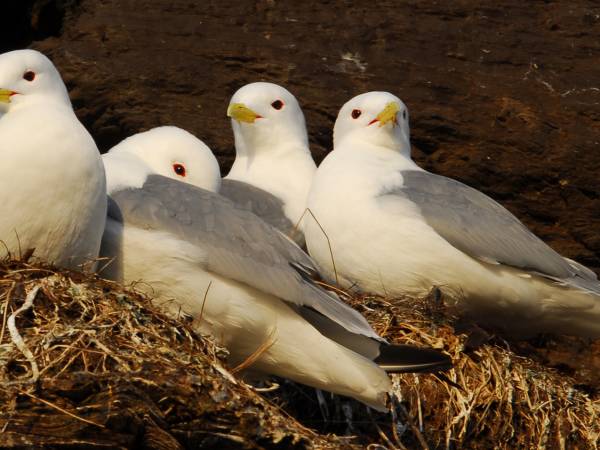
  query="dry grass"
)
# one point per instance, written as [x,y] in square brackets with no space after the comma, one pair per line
[90,364]
[502,400]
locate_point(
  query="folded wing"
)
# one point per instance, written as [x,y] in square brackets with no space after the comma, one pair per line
[482,228]
[239,245]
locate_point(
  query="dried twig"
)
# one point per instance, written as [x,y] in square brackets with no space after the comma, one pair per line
[382,435]
[257,353]
[337,281]
[18,340]
[58,408]
[6,307]
[204,301]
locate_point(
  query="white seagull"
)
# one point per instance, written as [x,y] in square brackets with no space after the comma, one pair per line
[52,183]
[387,226]
[273,166]
[240,279]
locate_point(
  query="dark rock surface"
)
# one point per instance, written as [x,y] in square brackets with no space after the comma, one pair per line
[503,97]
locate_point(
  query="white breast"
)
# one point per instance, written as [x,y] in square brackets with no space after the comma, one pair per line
[53,186]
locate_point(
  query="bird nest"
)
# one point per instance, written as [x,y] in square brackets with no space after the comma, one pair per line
[494,398]
[86,363]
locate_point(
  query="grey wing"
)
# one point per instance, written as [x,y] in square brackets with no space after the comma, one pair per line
[262,203]
[582,270]
[240,245]
[482,228]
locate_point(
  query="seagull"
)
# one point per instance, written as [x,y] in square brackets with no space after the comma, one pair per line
[385,225]
[240,279]
[273,167]
[52,182]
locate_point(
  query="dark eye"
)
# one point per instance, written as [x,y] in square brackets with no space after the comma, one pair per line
[179,169]
[356,113]
[29,75]
[404,114]
[277,104]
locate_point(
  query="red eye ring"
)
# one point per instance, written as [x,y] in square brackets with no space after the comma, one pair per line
[277,104]
[29,75]
[179,169]
[356,113]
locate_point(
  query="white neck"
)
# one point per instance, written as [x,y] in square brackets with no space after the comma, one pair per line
[285,172]
[368,166]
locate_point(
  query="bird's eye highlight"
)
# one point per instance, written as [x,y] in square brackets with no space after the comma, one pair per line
[277,104]
[29,75]
[179,169]
[356,113]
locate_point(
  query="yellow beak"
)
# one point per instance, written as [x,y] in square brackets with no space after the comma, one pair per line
[241,113]
[388,114]
[5,95]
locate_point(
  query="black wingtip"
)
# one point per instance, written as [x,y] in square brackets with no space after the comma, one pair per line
[409,359]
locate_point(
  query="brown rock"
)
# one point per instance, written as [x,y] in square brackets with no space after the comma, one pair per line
[501,97]
[504,98]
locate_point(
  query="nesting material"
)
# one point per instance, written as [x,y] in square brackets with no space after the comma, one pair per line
[115,372]
[502,400]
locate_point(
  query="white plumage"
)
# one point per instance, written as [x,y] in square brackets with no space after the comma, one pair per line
[52,184]
[240,279]
[395,229]
[272,152]
[175,153]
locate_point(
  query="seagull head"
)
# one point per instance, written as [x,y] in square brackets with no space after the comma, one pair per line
[266,116]
[378,118]
[168,151]
[27,76]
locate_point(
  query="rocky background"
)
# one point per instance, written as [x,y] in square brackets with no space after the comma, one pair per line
[504,96]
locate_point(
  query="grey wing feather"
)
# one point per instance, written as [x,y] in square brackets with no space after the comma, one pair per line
[482,228]
[262,203]
[583,271]
[394,358]
[113,210]
[240,246]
